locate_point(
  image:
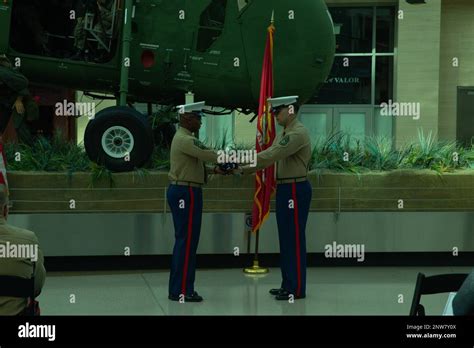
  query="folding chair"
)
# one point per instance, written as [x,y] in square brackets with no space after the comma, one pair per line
[434,285]
[12,286]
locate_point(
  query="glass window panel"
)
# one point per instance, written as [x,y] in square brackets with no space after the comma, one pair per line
[385,29]
[211,24]
[317,125]
[383,80]
[353,123]
[383,125]
[354,29]
[347,84]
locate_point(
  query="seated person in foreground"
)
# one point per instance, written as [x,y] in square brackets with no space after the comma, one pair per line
[15,244]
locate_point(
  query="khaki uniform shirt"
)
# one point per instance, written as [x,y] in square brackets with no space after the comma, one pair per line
[291,150]
[19,267]
[187,158]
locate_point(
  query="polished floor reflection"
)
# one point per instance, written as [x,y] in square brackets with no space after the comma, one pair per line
[331,291]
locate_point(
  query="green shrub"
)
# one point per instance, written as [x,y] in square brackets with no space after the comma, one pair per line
[338,152]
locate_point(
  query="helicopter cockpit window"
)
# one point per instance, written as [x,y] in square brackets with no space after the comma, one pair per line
[242,3]
[83,30]
[211,24]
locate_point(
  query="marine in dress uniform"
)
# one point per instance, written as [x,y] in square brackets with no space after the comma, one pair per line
[187,175]
[292,153]
[17,267]
[15,99]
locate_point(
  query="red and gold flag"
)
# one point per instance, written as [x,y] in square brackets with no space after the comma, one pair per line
[265,180]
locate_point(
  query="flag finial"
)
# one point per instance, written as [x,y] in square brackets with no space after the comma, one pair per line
[273,17]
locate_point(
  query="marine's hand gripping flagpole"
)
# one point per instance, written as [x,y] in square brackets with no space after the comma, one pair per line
[265,179]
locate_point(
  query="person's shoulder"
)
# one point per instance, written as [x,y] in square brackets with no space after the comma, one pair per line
[4,69]
[191,140]
[301,129]
[12,73]
[8,70]
[183,138]
[297,130]
[19,234]
[183,141]
[300,126]
[178,135]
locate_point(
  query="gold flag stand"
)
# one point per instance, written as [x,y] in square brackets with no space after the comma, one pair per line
[256,269]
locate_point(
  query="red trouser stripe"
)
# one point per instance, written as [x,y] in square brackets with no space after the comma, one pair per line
[188,241]
[297,232]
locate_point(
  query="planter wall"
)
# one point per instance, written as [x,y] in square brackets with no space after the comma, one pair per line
[34,192]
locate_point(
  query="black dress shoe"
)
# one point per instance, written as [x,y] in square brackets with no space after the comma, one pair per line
[190,298]
[276,292]
[286,296]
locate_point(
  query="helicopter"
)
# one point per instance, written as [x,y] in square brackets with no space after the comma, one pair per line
[157,51]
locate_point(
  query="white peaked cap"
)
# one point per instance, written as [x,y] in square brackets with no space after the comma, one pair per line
[193,107]
[283,101]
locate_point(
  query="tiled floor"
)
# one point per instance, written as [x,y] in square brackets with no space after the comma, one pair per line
[331,291]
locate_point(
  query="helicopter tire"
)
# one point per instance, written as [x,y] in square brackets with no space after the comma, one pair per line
[120,138]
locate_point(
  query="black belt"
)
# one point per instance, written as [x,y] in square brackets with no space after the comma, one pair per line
[186,183]
[292,180]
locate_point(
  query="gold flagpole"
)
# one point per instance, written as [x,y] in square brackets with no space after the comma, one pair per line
[256,269]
